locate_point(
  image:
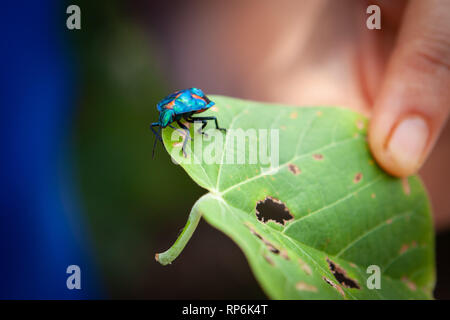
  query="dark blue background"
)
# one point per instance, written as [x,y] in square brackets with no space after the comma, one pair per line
[41,229]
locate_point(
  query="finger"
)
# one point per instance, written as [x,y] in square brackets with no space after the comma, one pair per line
[414,100]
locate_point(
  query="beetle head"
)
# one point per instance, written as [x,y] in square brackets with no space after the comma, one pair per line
[165,117]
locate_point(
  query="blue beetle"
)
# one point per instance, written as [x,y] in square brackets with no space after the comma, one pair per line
[182,105]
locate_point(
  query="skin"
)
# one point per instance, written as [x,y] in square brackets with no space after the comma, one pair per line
[320,52]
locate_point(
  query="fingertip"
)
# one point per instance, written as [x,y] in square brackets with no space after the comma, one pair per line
[401,150]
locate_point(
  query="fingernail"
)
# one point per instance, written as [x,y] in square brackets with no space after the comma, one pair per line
[408,142]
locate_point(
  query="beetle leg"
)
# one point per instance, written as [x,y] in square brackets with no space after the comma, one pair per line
[204,123]
[157,136]
[188,136]
[210,118]
[176,129]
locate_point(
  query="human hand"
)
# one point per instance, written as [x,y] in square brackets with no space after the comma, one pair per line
[413,101]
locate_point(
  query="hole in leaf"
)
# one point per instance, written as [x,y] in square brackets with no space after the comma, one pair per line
[271,209]
[341,276]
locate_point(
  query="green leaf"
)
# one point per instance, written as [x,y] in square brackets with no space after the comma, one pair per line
[341,212]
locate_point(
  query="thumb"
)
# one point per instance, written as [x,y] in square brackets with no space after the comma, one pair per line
[414,101]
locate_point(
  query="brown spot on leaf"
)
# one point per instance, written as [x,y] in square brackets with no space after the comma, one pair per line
[406,187]
[373,195]
[294,169]
[319,113]
[269,245]
[404,248]
[293,115]
[388,221]
[358,177]
[303,286]
[334,285]
[318,156]
[268,259]
[284,254]
[305,267]
[411,285]
[272,209]
[341,276]
[272,248]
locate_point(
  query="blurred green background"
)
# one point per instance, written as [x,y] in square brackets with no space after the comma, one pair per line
[135,205]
